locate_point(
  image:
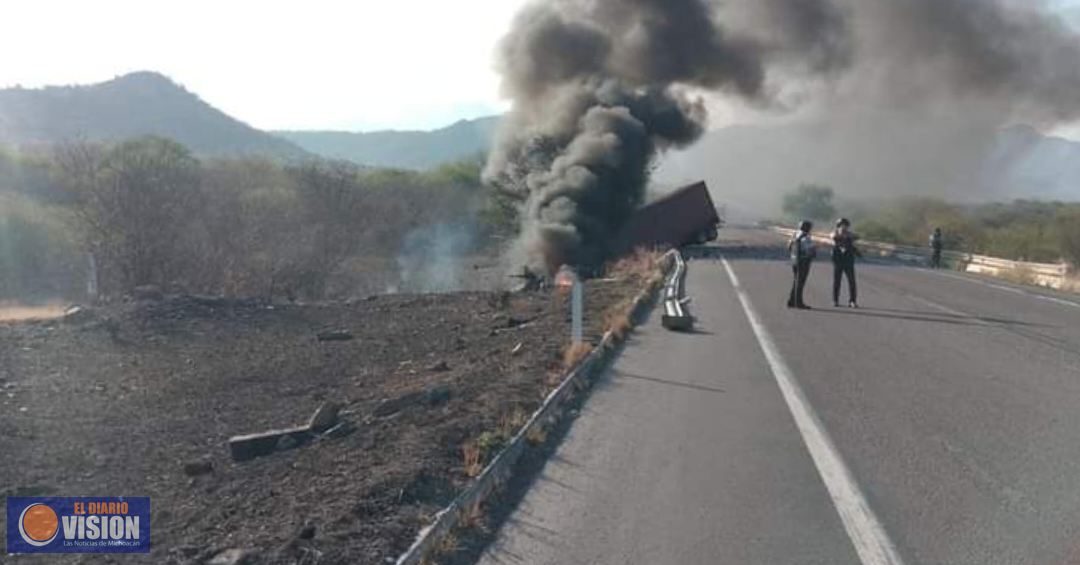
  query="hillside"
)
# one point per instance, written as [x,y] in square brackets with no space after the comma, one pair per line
[749,166]
[131,105]
[400,149]
[1025,163]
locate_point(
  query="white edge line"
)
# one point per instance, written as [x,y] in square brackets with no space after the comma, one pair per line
[867,535]
[1005,288]
[941,307]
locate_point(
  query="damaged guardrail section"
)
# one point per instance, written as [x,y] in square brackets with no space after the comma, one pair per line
[500,468]
[1050,275]
[675,315]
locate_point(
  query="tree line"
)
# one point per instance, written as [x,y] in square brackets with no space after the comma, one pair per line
[1021,230]
[150,212]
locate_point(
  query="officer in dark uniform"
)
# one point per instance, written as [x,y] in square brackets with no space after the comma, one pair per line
[802,251]
[844,253]
[936,243]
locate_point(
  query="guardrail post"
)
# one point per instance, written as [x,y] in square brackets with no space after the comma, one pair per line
[91,278]
[577,311]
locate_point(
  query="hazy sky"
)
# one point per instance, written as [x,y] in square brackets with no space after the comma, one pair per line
[317,64]
[359,64]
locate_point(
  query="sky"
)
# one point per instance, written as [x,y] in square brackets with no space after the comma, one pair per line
[317,64]
[355,65]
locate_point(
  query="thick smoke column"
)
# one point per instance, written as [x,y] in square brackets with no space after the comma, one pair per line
[920,108]
[601,87]
[597,93]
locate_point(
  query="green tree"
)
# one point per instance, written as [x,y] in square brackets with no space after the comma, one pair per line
[1067,228]
[810,202]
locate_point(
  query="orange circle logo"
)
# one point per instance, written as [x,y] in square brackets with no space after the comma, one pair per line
[38,525]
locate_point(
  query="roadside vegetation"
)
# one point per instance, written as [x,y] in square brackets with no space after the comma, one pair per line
[150,212]
[1022,230]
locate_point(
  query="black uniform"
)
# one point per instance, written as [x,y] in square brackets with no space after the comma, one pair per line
[936,244]
[843,257]
[802,252]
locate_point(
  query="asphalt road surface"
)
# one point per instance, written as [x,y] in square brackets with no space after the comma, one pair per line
[939,424]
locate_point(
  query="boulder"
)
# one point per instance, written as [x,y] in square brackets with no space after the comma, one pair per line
[246,447]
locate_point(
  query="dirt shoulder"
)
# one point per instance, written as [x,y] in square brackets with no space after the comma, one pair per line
[119,403]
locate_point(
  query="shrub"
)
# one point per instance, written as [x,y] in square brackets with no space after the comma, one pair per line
[39,256]
[810,202]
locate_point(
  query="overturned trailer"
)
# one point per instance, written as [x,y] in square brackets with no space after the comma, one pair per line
[683,217]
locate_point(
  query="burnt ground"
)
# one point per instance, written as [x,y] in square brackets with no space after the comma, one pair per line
[117,404]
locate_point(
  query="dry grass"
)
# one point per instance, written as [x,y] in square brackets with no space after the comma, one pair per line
[641,264]
[472,454]
[1021,276]
[554,379]
[537,435]
[573,354]
[472,517]
[10,312]
[510,423]
[448,545]
[617,320]
[476,454]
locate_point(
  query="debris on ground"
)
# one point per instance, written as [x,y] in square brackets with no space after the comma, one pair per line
[197,468]
[247,447]
[146,398]
[335,335]
[232,557]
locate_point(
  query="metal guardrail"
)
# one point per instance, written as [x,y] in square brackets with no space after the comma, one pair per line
[498,471]
[1050,275]
[675,315]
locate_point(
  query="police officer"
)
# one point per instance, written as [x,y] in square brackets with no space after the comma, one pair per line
[802,251]
[936,243]
[844,253]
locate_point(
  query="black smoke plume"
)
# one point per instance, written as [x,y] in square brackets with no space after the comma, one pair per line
[600,88]
[597,94]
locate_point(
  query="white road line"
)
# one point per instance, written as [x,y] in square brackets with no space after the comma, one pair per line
[868,536]
[1005,288]
[974,280]
[941,307]
[1058,301]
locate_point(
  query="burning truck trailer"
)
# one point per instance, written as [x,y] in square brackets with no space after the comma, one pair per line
[686,216]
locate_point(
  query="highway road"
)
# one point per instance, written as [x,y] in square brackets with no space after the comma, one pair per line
[939,424]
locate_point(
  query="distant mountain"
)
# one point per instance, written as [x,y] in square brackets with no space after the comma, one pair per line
[128,106]
[401,149]
[1034,164]
[750,166]
[1071,16]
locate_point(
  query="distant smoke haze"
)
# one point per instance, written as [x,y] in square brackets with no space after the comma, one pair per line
[894,96]
[432,258]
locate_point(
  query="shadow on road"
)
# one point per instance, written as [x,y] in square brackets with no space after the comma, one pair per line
[666,382]
[919,316]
